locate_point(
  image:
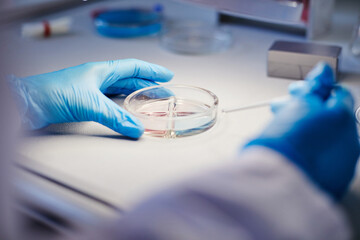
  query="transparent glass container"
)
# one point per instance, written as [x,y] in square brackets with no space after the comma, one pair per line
[173,111]
[195,38]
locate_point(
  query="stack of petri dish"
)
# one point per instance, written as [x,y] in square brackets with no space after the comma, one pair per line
[128,22]
[195,38]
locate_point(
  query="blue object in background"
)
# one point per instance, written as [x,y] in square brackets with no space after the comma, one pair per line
[126,23]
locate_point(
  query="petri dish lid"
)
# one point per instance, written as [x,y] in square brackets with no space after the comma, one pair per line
[125,23]
[195,37]
[173,111]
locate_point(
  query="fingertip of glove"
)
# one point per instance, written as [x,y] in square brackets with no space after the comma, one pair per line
[323,74]
[276,105]
[170,74]
[341,97]
[163,74]
[135,132]
[160,72]
[127,125]
[298,88]
[321,80]
[132,130]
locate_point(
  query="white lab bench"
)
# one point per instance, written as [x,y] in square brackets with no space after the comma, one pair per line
[93,159]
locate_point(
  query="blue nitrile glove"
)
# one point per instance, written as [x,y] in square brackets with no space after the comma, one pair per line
[316,130]
[77,94]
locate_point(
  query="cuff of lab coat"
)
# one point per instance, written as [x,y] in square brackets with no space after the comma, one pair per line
[18,93]
[29,112]
[291,187]
[261,195]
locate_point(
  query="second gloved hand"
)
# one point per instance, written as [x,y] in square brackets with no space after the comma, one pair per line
[77,94]
[316,130]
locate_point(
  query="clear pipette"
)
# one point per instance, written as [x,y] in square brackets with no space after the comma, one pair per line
[257,104]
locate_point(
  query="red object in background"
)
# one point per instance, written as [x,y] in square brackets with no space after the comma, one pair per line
[96,12]
[47,30]
[305,11]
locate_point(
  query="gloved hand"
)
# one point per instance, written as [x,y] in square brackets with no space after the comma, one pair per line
[77,94]
[316,130]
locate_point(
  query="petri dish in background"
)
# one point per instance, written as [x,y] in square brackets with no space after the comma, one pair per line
[127,23]
[195,38]
[173,111]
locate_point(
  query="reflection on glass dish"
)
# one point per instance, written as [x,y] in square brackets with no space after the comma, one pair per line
[173,111]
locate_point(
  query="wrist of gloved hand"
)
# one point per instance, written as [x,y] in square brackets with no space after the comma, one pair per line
[24,104]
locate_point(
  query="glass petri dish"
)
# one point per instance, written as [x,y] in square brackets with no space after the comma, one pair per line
[127,23]
[173,111]
[195,38]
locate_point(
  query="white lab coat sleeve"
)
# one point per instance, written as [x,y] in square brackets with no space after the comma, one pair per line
[261,195]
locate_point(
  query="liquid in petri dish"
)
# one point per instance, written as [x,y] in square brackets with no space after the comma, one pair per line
[173,111]
[175,117]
